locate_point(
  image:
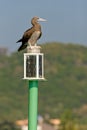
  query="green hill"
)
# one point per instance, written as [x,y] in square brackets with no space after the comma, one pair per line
[65,88]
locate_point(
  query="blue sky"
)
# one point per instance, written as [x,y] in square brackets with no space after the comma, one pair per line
[66,20]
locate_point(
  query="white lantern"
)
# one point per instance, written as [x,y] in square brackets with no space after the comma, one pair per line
[34,65]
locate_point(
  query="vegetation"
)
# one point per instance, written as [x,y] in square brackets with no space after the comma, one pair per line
[65,88]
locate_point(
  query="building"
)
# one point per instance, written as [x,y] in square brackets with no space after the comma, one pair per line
[3,51]
[55,123]
[23,125]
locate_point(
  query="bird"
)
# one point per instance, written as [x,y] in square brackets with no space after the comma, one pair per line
[31,35]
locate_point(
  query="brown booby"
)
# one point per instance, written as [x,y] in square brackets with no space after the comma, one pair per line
[31,35]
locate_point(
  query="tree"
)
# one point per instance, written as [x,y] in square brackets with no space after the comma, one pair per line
[67,120]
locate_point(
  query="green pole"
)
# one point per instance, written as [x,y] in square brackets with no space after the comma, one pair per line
[32,106]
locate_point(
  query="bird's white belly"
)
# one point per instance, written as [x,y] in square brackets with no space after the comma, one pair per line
[32,41]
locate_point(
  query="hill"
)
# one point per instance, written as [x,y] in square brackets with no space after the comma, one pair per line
[65,88]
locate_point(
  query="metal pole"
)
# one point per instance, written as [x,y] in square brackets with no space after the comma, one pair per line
[33,103]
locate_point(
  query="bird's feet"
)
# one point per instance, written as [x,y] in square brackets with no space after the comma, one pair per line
[33,46]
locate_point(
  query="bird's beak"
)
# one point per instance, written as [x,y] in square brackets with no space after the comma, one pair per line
[42,20]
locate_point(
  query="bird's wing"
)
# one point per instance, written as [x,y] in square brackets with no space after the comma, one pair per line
[28,33]
[26,36]
[23,46]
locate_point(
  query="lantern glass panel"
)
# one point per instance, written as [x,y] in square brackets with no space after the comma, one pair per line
[31,66]
[40,66]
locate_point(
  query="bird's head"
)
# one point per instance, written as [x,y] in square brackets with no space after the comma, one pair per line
[37,19]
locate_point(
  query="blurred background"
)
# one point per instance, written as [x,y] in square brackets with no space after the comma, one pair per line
[63,97]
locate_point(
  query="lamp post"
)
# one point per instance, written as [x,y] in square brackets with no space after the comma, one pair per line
[33,72]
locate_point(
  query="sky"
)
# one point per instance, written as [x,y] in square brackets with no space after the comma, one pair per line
[66,21]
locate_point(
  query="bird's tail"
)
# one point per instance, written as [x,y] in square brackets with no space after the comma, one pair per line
[22,47]
[19,41]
